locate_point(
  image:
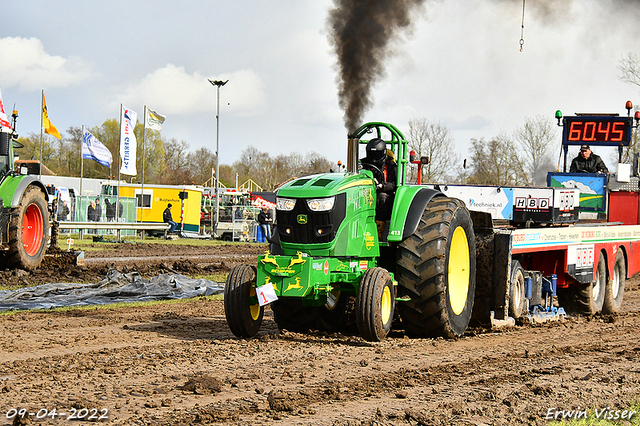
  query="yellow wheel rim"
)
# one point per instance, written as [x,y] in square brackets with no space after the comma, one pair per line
[255,307]
[385,305]
[459,271]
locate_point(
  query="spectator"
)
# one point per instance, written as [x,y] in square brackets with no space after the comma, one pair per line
[264,220]
[98,213]
[63,211]
[166,217]
[110,210]
[91,212]
[120,209]
[91,215]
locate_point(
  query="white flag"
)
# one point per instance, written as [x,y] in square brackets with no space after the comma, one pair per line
[154,120]
[3,115]
[93,149]
[128,122]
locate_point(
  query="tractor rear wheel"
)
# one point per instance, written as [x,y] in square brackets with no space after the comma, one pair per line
[614,291]
[436,269]
[590,298]
[244,313]
[375,304]
[28,230]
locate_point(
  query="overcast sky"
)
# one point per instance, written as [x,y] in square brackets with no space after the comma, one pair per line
[460,65]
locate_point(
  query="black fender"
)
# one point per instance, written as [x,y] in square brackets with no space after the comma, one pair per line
[24,183]
[419,203]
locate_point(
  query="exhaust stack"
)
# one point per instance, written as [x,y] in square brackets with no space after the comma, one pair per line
[352,154]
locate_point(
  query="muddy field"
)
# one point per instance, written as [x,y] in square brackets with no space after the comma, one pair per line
[179,364]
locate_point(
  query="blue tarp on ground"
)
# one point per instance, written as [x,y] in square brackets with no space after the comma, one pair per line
[114,288]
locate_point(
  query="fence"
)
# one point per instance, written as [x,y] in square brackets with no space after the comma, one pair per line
[116,226]
[109,213]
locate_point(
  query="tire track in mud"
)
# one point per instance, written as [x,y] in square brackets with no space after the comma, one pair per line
[516,384]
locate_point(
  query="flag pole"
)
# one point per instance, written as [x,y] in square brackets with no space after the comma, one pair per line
[144,134]
[81,165]
[41,134]
[119,166]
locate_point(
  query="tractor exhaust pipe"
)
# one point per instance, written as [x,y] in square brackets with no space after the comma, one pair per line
[352,154]
[5,140]
[5,150]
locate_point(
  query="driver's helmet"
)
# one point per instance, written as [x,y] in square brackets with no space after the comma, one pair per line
[376,151]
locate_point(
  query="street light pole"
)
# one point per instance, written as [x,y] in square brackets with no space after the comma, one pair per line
[218,84]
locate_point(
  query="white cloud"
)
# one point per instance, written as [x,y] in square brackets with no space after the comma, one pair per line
[171,90]
[25,64]
[581,186]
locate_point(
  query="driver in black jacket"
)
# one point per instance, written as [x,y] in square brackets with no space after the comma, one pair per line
[385,171]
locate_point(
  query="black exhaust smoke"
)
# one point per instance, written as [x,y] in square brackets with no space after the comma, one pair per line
[361,32]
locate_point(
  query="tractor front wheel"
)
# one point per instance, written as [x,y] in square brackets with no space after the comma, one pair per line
[375,304]
[436,269]
[241,308]
[28,230]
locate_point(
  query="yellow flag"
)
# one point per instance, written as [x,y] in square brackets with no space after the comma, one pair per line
[48,127]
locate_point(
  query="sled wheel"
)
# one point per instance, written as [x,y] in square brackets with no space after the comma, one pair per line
[436,268]
[614,291]
[28,230]
[291,314]
[590,298]
[375,304]
[244,314]
[516,291]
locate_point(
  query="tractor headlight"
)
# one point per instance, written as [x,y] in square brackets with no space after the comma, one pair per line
[285,204]
[321,204]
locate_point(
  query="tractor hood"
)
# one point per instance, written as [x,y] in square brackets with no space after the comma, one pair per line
[324,185]
[328,214]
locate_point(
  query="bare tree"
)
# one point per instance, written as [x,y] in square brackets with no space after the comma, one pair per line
[630,69]
[176,169]
[316,163]
[433,140]
[535,139]
[201,162]
[271,172]
[496,162]
[34,147]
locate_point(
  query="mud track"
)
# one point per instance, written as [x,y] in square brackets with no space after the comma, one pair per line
[179,364]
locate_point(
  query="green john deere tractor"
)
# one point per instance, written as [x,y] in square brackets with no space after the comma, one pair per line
[328,250]
[24,218]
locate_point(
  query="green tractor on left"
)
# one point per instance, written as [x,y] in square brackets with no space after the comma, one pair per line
[24,219]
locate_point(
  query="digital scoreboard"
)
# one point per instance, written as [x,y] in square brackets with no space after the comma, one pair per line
[597,130]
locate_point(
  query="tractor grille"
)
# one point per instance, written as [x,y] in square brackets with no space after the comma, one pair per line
[320,227]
